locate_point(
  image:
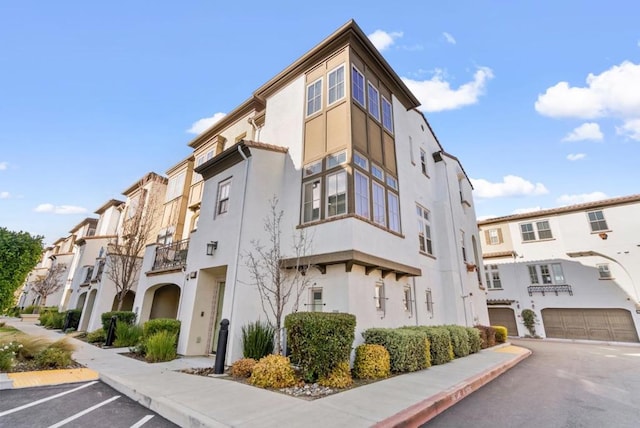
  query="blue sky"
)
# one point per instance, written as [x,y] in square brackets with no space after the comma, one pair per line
[539,100]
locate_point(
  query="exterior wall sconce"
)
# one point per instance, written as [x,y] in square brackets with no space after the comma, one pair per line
[211,247]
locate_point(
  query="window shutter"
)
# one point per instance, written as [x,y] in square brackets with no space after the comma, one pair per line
[500,241]
[487,238]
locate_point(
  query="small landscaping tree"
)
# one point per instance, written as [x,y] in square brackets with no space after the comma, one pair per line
[48,284]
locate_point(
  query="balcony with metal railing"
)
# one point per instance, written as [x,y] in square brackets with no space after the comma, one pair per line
[565,288]
[171,256]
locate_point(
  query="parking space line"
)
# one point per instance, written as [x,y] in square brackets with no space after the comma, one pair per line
[84,412]
[35,403]
[142,421]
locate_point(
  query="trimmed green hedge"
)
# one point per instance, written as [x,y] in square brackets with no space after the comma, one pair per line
[475,341]
[459,340]
[123,316]
[440,341]
[408,348]
[319,341]
[501,333]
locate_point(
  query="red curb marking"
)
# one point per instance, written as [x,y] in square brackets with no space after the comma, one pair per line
[424,411]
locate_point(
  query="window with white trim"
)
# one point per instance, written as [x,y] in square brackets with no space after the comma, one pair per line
[312,168]
[597,221]
[428,300]
[604,272]
[311,200]
[424,230]
[538,230]
[336,84]
[387,115]
[407,301]
[423,161]
[337,194]
[314,97]
[464,249]
[379,295]
[379,206]
[374,101]
[392,182]
[357,86]
[394,211]
[546,274]
[492,274]
[377,172]
[360,161]
[494,236]
[336,159]
[175,186]
[362,194]
[223,197]
[316,304]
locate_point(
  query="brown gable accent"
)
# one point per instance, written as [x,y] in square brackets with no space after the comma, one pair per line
[232,156]
[562,210]
[151,176]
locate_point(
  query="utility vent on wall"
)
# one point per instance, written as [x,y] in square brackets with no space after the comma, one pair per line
[193,274]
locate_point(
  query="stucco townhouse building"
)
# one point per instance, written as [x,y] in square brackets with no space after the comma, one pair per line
[577,267]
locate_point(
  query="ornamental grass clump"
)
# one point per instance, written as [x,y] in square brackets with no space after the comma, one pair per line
[53,358]
[273,371]
[127,334]
[257,340]
[96,336]
[371,362]
[160,346]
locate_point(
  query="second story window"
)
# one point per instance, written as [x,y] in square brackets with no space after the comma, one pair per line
[597,221]
[546,274]
[604,272]
[357,86]
[464,250]
[374,102]
[337,194]
[379,210]
[311,201]
[362,194]
[423,161]
[387,115]
[536,230]
[493,236]
[492,274]
[223,197]
[336,85]
[394,212]
[424,230]
[314,97]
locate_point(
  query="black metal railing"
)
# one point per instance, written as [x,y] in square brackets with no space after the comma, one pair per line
[171,256]
[550,289]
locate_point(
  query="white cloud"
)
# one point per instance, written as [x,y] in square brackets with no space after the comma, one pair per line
[630,129]
[383,40]
[201,125]
[613,93]
[581,198]
[586,131]
[5,195]
[511,185]
[576,156]
[3,166]
[449,38]
[436,94]
[526,210]
[60,209]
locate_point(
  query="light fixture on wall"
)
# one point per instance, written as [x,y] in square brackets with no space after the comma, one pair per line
[211,247]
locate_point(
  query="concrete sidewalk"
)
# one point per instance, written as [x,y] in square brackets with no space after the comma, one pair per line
[197,401]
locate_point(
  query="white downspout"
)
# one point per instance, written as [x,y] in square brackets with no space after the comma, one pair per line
[237,261]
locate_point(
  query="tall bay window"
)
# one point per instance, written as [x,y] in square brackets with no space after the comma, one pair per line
[337,194]
[312,197]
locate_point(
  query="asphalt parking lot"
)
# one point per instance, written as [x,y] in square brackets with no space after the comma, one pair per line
[88,404]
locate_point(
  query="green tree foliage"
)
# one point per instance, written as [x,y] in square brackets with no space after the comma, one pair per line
[19,254]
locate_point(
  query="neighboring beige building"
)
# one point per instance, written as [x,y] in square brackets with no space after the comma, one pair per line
[577,267]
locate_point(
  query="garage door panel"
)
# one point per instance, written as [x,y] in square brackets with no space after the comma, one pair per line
[504,317]
[590,324]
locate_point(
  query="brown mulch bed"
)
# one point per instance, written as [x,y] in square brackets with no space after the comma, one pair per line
[30,366]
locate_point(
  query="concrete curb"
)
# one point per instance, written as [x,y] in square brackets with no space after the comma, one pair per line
[424,411]
[168,409]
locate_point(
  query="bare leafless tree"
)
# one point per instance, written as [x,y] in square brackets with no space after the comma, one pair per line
[48,284]
[126,249]
[276,285]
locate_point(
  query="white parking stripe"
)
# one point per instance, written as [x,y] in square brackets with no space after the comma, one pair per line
[142,421]
[35,403]
[84,412]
